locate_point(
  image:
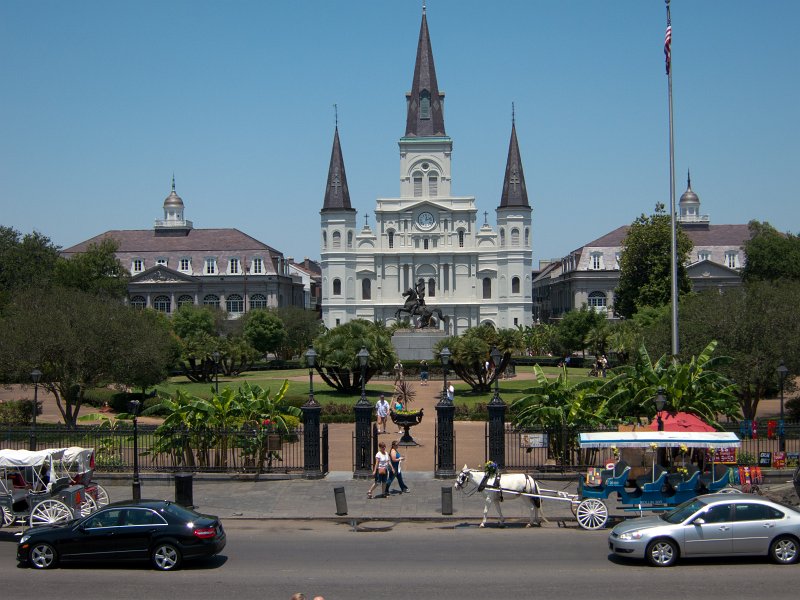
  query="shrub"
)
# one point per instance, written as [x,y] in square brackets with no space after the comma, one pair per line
[98,397]
[17,412]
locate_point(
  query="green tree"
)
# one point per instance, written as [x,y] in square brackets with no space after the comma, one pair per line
[25,261]
[190,319]
[337,350]
[264,330]
[645,265]
[97,271]
[301,326]
[573,330]
[771,256]
[470,352]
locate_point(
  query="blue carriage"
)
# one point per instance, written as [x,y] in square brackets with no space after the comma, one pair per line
[659,488]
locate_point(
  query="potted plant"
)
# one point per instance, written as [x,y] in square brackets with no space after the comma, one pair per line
[404,395]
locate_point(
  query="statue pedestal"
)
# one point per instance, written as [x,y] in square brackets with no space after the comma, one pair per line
[416,344]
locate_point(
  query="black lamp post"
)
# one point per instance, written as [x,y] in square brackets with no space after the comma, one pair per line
[363,411]
[660,400]
[497,416]
[311,359]
[311,412]
[36,376]
[496,356]
[444,356]
[134,406]
[782,373]
[215,357]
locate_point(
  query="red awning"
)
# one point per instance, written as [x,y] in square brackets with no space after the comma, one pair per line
[681,422]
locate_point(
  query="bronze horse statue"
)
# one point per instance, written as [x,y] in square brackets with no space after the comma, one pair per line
[415,307]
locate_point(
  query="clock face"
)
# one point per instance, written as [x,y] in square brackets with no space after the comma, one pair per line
[426,220]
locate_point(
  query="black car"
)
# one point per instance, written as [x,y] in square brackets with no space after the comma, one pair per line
[160,531]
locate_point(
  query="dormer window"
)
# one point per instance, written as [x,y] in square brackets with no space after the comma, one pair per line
[137,265]
[233,266]
[258,266]
[703,255]
[425,105]
[596,261]
[185,265]
[732,259]
[210,266]
[161,261]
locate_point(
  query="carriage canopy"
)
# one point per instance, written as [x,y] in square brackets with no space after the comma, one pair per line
[28,458]
[664,439]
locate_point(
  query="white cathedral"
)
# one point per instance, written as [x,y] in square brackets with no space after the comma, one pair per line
[473,273]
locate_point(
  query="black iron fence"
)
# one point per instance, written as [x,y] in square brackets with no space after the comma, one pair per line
[207,450]
[540,449]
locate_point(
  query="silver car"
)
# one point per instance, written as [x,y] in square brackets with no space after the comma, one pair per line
[712,525]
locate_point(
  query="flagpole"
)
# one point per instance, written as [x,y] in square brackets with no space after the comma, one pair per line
[673,228]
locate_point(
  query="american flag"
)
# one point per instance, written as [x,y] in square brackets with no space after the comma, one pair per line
[668,45]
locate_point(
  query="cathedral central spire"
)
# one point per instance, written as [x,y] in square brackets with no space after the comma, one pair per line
[425,102]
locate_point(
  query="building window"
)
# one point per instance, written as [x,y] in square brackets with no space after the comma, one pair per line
[527,237]
[461,238]
[258,266]
[211,300]
[515,285]
[425,105]
[431,287]
[732,260]
[597,301]
[366,289]
[138,302]
[185,265]
[258,301]
[234,303]
[211,266]
[433,185]
[487,287]
[325,240]
[338,322]
[162,304]
[337,287]
[502,237]
[391,240]
[617,256]
[515,237]
[349,239]
[137,266]
[596,261]
[337,240]
[425,244]
[233,266]
[516,321]
[185,300]
[161,262]
[417,186]
[704,255]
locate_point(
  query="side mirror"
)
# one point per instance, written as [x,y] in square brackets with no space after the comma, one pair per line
[699,521]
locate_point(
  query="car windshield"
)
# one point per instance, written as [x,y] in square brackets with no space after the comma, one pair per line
[182,513]
[683,511]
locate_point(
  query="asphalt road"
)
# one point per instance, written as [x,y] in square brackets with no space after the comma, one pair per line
[272,560]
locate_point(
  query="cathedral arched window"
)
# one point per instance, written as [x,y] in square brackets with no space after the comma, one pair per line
[433,184]
[349,239]
[487,287]
[138,302]
[425,105]
[185,300]
[258,301]
[325,240]
[417,185]
[162,304]
[515,285]
[337,287]
[515,237]
[211,300]
[366,289]
[460,238]
[337,240]
[431,287]
[502,237]
[527,237]
[391,238]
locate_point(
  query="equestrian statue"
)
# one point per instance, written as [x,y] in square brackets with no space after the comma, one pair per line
[415,307]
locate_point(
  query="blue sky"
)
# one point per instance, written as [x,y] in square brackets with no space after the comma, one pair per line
[102,101]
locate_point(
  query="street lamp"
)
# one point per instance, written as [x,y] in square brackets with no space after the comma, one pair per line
[444,356]
[36,375]
[363,360]
[782,373]
[311,359]
[134,406]
[660,400]
[496,358]
[215,357]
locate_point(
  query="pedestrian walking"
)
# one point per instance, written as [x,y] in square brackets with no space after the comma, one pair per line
[398,371]
[423,372]
[397,470]
[382,409]
[380,469]
[451,393]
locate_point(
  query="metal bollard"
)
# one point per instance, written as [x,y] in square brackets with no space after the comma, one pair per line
[447,500]
[183,489]
[341,501]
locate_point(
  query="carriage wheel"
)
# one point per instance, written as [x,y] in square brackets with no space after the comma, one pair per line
[592,514]
[573,506]
[8,517]
[729,490]
[48,512]
[101,496]
[88,506]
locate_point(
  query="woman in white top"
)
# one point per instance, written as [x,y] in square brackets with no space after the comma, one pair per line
[380,469]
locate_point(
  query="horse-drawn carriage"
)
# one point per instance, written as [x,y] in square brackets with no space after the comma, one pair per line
[79,464]
[35,488]
[659,488]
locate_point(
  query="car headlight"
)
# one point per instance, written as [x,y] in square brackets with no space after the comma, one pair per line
[24,538]
[630,535]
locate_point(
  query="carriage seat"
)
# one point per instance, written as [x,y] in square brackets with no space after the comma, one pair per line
[719,478]
[653,480]
[683,483]
[616,476]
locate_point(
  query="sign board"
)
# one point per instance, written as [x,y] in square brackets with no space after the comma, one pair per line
[792,459]
[779,460]
[533,440]
[764,459]
[723,456]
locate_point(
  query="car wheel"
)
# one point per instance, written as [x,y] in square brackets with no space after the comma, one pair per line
[43,556]
[662,553]
[784,550]
[166,557]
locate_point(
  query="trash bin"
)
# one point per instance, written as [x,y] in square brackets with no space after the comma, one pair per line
[447,500]
[341,500]
[183,489]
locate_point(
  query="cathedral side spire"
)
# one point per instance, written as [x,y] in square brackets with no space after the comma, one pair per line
[425,103]
[337,194]
[514,191]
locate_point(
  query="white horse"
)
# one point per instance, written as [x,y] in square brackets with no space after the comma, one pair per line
[511,486]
